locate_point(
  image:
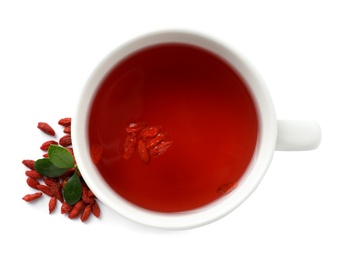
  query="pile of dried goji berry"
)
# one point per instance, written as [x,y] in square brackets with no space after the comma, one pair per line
[53,187]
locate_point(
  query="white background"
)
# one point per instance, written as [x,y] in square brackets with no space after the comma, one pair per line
[49,48]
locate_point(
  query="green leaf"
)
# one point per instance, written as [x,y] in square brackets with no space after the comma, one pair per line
[72,190]
[45,167]
[60,157]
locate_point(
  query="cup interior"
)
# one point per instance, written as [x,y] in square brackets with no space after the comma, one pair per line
[267,134]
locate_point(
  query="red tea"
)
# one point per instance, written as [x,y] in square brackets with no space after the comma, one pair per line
[205,110]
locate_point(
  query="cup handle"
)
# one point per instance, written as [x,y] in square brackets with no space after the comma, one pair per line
[295,135]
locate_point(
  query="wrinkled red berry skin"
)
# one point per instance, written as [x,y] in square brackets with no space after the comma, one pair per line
[46,128]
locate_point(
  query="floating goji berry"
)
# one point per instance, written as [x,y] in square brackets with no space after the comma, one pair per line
[135,128]
[46,128]
[66,140]
[65,121]
[129,146]
[226,188]
[29,163]
[52,204]
[32,182]
[96,153]
[160,148]
[156,140]
[149,132]
[86,213]
[143,153]
[32,197]
[45,145]
[149,141]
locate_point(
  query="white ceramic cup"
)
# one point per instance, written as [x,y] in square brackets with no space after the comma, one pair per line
[273,135]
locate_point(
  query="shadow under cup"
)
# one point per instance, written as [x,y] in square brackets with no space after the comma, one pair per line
[204,99]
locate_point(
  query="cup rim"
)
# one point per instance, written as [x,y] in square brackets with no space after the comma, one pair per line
[222,206]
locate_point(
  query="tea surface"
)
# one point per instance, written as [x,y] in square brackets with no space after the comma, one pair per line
[206,111]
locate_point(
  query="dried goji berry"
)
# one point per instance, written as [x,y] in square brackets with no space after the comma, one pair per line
[66,140]
[45,189]
[29,163]
[66,208]
[160,148]
[49,181]
[46,128]
[90,194]
[33,174]
[45,145]
[129,146]
[57,190]
[53,186]
[59,195]
[52,204]
[87,200]
[67,129]
[95,209]
[85,195]
[32,182]
[86,213]
[65,121]
[143,153]
[32,197]
[77,208]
